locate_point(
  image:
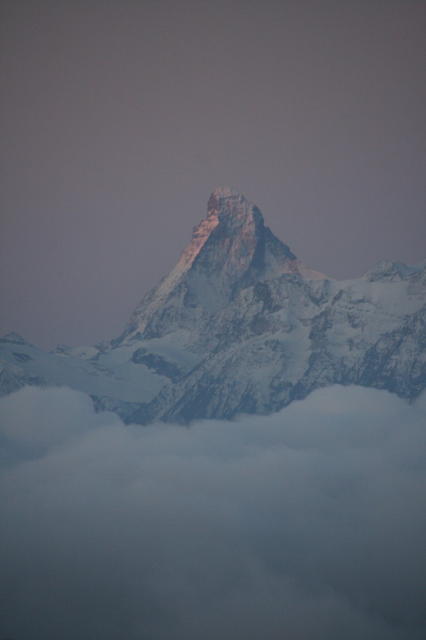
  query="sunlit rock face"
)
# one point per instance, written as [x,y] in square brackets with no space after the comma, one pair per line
[242,325]
[230,249]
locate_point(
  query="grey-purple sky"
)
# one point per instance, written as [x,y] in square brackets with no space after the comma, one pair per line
[118,118]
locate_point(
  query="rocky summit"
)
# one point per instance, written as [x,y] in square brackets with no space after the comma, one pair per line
[241,325]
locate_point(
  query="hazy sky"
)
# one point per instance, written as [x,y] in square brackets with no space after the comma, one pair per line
[118,119]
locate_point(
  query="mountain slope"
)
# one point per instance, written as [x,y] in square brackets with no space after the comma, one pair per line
[230,249]
[242,325]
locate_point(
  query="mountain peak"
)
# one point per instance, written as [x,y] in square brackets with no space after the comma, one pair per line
[228,202]
[392,270]
[231,248]
[14,338]
[226,192]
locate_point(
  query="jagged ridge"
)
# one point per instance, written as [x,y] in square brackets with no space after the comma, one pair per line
[241,325]
[230,249]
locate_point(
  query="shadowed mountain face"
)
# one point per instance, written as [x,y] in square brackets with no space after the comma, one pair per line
[230,250]
[242,325]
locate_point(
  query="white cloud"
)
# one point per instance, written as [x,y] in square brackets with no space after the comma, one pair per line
[309,523]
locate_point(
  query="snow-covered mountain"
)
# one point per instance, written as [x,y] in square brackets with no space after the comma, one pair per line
[242,325]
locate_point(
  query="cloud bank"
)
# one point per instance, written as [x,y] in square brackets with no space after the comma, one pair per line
[308,524]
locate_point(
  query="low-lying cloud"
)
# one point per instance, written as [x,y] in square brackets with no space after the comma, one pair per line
[308,524]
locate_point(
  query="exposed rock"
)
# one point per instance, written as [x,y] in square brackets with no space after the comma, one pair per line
[242,325]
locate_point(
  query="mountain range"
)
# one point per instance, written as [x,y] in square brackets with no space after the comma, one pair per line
[241,325]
